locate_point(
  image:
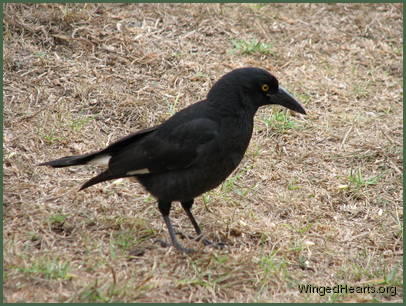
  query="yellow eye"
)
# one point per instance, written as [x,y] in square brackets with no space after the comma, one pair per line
[265,87]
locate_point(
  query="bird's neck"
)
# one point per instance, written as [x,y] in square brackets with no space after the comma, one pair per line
[234,104]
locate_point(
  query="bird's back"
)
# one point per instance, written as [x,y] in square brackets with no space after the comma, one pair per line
[215,160]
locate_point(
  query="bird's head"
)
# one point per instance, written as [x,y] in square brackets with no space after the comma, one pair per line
[256,87]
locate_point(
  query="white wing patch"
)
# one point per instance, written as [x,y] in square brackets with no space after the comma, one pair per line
[139,171]
[102,160]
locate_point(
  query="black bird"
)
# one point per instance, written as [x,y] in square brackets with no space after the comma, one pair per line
[194,150]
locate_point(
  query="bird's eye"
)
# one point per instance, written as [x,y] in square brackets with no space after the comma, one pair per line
[265,87]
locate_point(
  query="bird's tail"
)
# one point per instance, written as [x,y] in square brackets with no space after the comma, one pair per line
[100,158]
[76,160]
[104,176]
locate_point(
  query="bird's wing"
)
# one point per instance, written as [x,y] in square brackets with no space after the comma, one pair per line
[125,141]
[167,149]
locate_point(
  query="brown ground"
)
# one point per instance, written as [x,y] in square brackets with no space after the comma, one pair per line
[317,199]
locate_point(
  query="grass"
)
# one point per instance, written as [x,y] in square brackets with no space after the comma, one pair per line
[58,218]
[77,124]
[50,137]
[253,46]
[280,122]
[317,199]
[47,269]
[172,106]
[358,181]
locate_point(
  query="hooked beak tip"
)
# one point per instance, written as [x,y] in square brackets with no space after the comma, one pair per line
[284,98]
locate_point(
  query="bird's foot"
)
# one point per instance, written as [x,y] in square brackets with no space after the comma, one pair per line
[200,238]
[180,248]
[162,243]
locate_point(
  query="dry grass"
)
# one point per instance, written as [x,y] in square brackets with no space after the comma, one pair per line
[317,199]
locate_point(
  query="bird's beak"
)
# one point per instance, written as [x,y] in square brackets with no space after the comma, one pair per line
[284,98]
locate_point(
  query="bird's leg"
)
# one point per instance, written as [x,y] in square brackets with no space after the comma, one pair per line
[187,206]
[164,208]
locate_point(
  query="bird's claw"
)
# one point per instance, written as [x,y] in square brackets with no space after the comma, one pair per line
[180,248]
[206,242]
